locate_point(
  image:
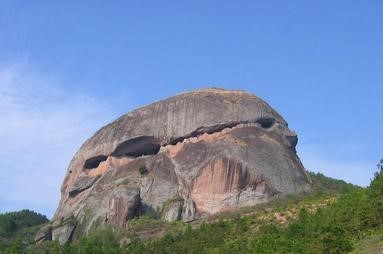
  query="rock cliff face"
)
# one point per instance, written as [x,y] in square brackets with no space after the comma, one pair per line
[191,155]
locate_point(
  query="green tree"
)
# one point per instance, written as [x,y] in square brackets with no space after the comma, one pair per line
[334,240]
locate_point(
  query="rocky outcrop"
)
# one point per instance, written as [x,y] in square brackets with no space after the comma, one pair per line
[43,234]
[194,154]
[173,211]
[82,183]
[63,233]
[123,204]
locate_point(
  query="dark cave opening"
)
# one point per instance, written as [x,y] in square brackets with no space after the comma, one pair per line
[136,147]
[266,123]
[94,161]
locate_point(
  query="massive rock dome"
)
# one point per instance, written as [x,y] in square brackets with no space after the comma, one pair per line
[191,155]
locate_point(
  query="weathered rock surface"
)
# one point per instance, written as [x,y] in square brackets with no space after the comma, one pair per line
[173,211]
[43,234]
[194,154]
[62,234]
[82,183]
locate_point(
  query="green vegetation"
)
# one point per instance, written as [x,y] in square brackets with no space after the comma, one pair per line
[324,183]
[18,228]
[12,223]
[324,221]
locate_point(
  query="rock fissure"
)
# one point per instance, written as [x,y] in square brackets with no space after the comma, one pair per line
[265,123]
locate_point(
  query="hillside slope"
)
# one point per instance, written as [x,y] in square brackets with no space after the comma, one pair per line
[222,233]
[20,226]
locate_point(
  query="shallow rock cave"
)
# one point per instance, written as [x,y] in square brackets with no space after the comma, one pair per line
[265,122]
[136,147]
[94,162]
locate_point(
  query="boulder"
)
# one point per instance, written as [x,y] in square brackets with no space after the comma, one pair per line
[213,149]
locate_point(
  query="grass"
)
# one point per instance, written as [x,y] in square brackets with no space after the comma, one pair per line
[370,245]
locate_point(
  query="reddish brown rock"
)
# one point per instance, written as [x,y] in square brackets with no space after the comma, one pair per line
[194,154]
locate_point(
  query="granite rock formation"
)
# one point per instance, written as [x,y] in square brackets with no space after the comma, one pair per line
[191,155]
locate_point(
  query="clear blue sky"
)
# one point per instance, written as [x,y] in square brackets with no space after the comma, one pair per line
[68,67]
